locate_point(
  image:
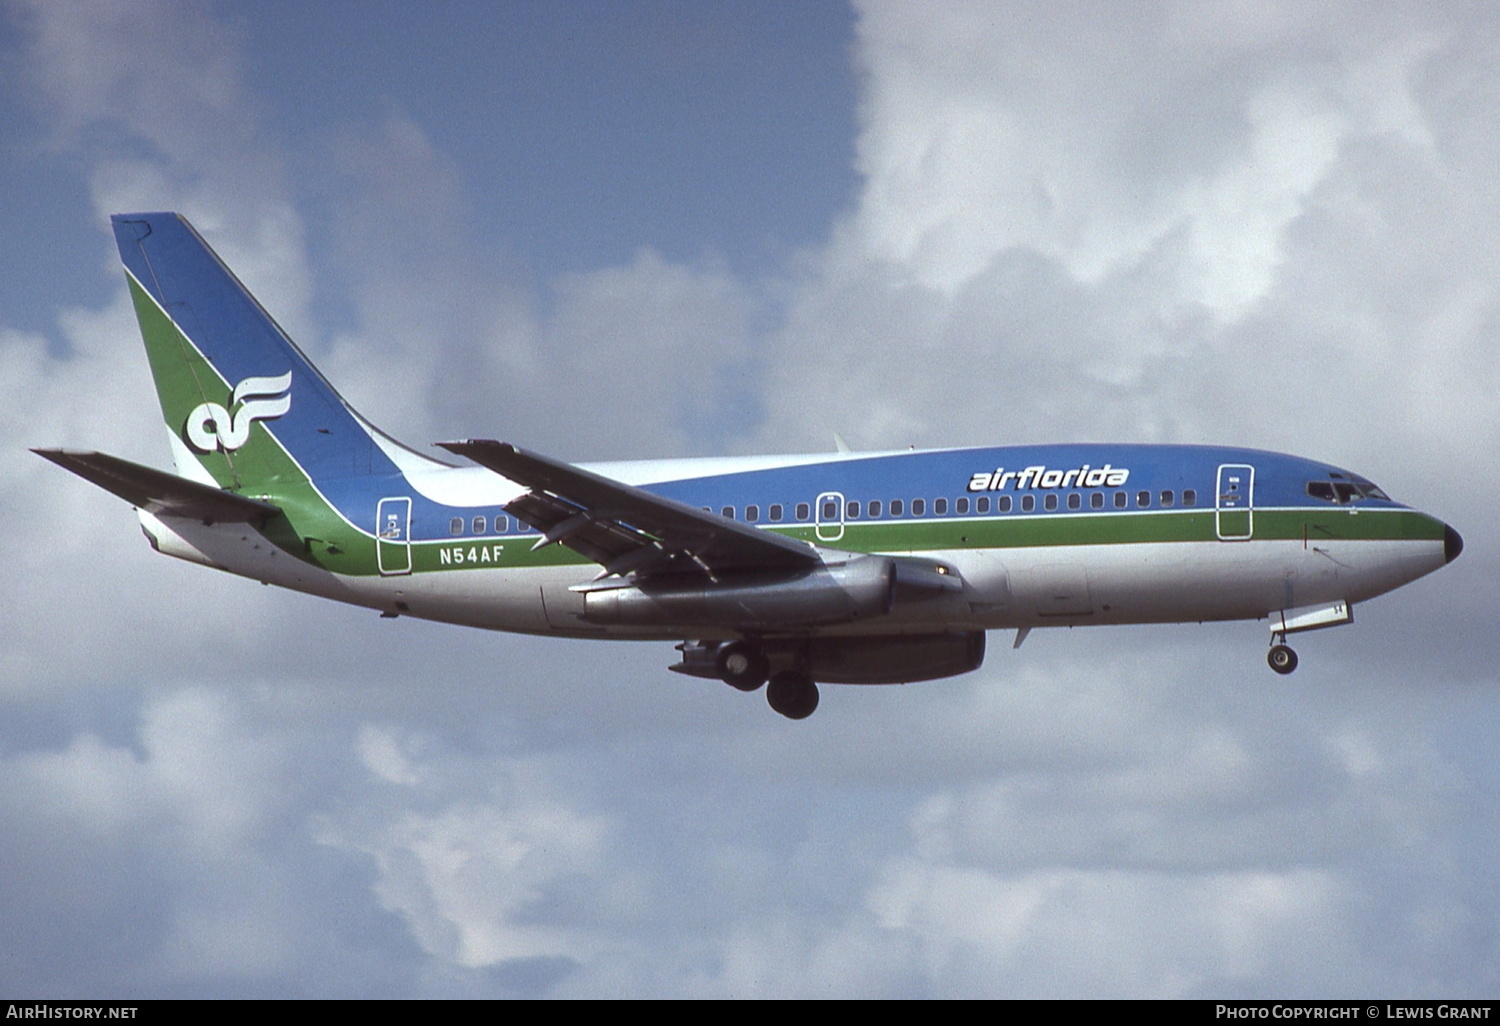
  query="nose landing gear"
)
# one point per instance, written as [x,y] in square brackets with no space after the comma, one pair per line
[1302,618]
[1281,658]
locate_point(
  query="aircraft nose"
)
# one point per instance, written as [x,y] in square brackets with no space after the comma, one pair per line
[1453,544]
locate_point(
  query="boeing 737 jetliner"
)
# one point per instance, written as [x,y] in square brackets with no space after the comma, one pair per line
[849,568]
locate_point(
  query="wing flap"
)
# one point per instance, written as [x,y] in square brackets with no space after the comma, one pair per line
[157,491]
[628,529]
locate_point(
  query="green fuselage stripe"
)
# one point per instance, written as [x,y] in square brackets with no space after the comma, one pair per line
[1310,525]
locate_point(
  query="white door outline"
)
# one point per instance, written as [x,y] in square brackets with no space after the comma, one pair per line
[1235,496]
[393,536]
[829,529]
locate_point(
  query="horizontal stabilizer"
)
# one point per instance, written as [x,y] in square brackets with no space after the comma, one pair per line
[159,492]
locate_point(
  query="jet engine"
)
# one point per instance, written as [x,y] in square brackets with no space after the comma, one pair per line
[879,659]
[858,589]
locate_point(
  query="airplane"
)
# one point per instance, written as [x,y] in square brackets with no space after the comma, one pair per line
[785,571]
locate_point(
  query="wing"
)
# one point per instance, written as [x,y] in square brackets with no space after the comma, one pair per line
[627,529]
[156,491]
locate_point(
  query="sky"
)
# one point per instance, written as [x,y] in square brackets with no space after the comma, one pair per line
[614,230]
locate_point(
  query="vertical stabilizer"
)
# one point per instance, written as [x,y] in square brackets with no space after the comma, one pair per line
[239,398]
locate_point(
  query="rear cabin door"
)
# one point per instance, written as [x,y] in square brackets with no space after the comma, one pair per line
[393,536]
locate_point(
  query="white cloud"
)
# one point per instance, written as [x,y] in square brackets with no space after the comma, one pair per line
[1093,135]
[170,836]
[1070,933]
[475,876]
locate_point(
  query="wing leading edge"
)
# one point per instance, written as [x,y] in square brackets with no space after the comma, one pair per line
[627,529]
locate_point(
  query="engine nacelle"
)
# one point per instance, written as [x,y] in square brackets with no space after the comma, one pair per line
[878,659]
[896,659]
[858,589]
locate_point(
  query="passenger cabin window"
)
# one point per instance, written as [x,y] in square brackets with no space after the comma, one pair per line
[1050,501]
[1028,503]
[918,507]
[982,504]
[502,525]
[727,512]
[456,525]
[1189,497]
[874,508]
[776,512]
[851,509]
[1075,501]
[804,511]
[1143,499]
[1096,501]
[752,513]
[479,525]
[1166,498]
[896,507]
[830,510]
[961,505]
[1121,500]
[940,506]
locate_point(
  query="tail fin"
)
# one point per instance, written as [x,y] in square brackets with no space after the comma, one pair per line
[245,408]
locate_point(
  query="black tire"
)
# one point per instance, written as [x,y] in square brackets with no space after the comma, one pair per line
[793,694]
[742,665]
[1282,659]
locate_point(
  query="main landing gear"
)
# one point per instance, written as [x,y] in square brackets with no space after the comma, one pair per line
[743,665]
[1281,658]
[793,694]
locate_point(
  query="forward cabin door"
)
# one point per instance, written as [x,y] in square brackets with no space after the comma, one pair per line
[1234,509]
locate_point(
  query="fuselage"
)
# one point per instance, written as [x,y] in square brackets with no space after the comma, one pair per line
[1039,535]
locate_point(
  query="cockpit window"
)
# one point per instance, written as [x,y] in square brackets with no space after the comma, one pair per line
[1344,490]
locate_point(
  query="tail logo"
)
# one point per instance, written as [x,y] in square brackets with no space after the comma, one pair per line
[210,426]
